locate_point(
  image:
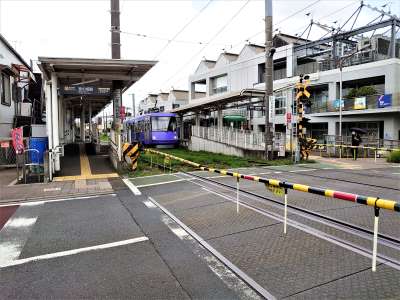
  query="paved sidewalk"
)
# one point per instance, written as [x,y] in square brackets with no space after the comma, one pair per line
[38,191]
[360,163]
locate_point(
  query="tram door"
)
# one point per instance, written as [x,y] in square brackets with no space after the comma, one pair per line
[147,130]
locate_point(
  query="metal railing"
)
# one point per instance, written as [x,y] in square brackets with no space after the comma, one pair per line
[244,139]
[281,187]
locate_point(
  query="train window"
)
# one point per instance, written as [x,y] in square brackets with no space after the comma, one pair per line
[163,123]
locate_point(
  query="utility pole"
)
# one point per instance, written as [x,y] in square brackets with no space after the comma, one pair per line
[116,54]
[268,76]
[115,30]
[133,106]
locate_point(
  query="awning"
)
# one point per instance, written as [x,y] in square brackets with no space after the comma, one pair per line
[235,118]
[216,101]
[88,79]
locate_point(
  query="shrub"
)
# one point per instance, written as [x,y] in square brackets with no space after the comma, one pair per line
[366,90]
[394,157]
[362,91]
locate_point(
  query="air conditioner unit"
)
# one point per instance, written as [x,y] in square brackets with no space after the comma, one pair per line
[25,109]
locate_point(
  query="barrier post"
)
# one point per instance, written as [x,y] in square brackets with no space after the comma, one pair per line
[375,153]
[375,243]
[237,194]
[151,161]
[285,213]
[170,166]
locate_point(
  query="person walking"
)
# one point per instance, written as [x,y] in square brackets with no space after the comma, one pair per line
[355,142]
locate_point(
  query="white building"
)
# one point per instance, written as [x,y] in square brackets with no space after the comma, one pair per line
[378,67]
[166,101]
[15,74]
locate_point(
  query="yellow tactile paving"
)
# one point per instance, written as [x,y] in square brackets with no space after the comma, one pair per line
[86,172]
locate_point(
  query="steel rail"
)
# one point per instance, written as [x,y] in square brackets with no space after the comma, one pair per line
[375,202]
[393,241]
[336,179]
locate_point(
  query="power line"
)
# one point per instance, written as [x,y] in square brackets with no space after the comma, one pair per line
[181,30]
[142,35]
[212,39]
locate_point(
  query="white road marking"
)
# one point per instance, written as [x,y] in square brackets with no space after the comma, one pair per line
[229,278]
[52,189]
[149,204]
[277,172]
[132,187]
[396,173]
[16,231]
[302,170]
[33,203]
[163,182]
[73,252]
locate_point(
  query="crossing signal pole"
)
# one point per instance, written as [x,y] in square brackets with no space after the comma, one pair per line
[269,52]
[302,100]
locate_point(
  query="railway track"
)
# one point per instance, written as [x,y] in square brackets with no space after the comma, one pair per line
[349,228]
[341,180]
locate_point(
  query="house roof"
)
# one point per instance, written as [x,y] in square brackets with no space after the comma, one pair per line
[9,47]
[218,100]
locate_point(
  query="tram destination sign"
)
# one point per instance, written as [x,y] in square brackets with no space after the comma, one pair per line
[85,90]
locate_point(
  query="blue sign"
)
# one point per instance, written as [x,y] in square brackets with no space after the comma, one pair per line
[385,100]
[336,103]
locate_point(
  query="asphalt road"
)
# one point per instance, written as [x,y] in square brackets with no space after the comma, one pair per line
[122,245]
[111,246]
[308,262]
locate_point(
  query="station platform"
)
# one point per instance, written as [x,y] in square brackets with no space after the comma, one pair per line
[80,162]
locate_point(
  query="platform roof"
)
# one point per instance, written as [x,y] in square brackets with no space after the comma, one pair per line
[98,74]
[216,101]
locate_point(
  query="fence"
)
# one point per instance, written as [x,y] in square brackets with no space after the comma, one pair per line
[283,186]
[244,139]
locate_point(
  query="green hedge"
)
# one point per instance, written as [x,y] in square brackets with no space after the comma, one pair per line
[394,157]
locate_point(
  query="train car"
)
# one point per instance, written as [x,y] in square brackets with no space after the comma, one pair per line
[153,129]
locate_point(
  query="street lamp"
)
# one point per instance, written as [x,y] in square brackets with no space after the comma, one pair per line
[341,60]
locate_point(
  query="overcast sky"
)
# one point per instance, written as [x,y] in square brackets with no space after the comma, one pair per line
[77,28]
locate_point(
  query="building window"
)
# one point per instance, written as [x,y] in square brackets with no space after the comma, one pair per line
[280,103]
[5,90]
[219,84]
[175,105]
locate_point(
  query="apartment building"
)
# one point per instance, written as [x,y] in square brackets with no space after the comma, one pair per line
[166,101]
[15,75]
[377,68]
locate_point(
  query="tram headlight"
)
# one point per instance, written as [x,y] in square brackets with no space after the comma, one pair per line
[154,138]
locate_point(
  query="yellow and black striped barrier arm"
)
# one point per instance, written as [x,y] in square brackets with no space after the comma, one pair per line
[370,201]
[130,152]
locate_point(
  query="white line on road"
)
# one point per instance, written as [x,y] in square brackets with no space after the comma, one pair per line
[132,187]
[302,170]
[73,252]
[149,204]
[163,182]
[16,231]
[32,203]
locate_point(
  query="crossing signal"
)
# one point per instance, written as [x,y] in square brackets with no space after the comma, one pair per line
[301,87]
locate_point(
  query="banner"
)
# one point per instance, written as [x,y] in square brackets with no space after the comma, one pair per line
[360,103]
[385,100]
[336,103]
[17,135]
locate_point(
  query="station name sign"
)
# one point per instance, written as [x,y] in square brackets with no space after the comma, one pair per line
[85,90]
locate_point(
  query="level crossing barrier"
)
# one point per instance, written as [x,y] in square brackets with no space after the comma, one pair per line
[130,153]
[281,188]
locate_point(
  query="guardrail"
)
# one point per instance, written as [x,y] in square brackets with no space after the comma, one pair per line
[342,147]
[376,202]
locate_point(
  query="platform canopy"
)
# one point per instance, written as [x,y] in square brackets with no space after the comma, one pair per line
[83,80]
[217,101]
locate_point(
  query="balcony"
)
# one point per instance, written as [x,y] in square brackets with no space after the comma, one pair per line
[355,104]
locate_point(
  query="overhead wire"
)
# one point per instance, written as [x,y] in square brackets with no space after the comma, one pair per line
[181,30]
[208,43]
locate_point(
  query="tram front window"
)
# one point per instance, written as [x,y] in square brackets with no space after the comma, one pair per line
[163,123]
